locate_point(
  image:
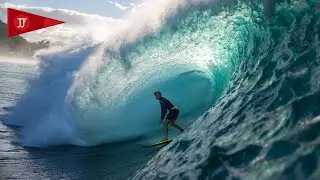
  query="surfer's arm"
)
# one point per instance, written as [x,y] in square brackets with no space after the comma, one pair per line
[163,110]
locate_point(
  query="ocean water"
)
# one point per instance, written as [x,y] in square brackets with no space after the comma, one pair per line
[245,76]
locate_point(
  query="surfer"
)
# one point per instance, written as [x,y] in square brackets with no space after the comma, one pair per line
[172,115]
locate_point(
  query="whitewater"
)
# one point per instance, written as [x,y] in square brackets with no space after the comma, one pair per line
[245,76]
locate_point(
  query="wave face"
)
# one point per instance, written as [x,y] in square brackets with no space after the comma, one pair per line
[265,124]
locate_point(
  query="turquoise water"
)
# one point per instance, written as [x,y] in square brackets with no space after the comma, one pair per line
[264,124]
[247,88]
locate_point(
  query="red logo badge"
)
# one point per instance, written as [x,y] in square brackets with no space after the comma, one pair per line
[20,22]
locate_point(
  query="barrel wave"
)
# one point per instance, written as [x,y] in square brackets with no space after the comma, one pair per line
[244,75]
[190,63]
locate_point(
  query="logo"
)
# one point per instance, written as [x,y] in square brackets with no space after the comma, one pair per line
[20,22]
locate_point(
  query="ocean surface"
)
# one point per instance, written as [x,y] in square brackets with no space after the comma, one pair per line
[245,76]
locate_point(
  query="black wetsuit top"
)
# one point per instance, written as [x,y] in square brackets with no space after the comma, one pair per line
[165,105]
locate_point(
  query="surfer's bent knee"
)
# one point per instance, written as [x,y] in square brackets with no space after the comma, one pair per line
[171,122]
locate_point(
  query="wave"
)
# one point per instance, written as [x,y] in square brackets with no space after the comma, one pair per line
[263,124]
[189,50]
[91,95]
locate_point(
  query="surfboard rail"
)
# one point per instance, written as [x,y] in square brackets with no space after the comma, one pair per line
[159,143]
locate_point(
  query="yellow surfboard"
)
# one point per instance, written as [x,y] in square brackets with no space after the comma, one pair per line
[159,143]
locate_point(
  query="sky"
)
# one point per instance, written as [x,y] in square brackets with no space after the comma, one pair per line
[85,19]
[108,8]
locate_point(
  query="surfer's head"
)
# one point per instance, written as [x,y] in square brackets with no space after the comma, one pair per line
[157,94]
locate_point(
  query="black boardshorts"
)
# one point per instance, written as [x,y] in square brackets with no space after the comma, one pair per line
[173,115]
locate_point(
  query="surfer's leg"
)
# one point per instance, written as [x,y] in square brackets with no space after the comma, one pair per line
[173,124]
[165,130]
[174,116]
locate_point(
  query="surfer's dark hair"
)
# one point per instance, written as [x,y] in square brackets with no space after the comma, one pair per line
[157,92]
